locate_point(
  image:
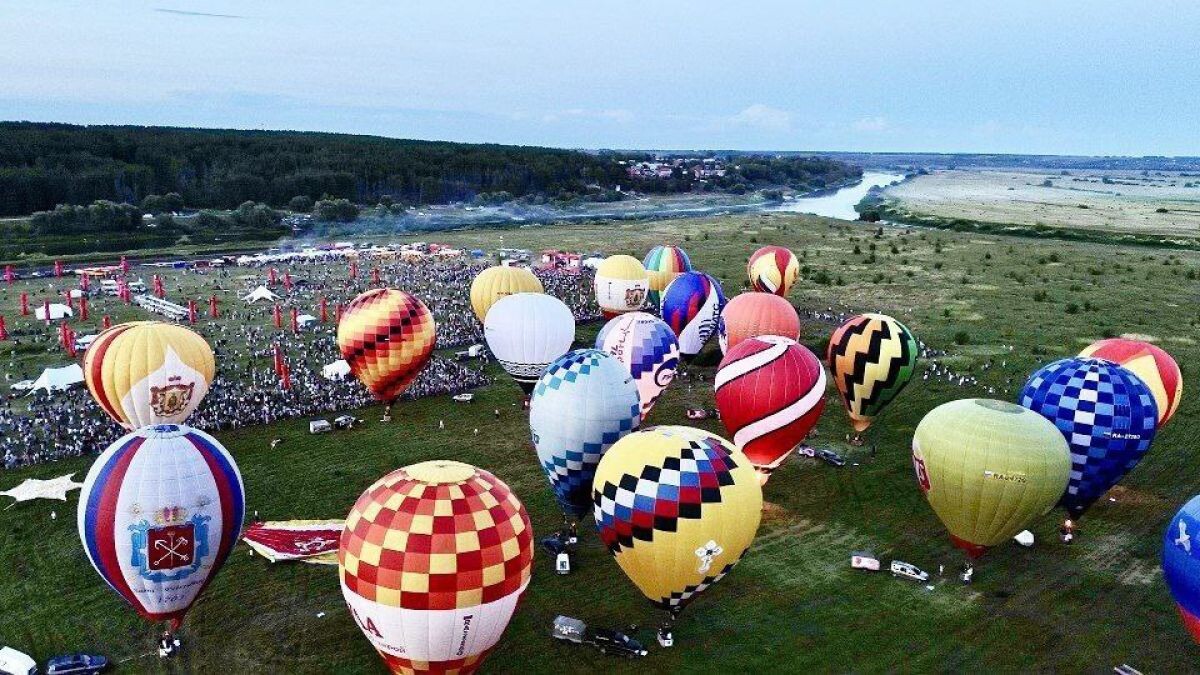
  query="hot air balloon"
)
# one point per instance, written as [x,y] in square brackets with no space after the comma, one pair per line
[691,306]
[648,350]
[871,357]
[1181,564]
[677,507]
[1107,415]
[1153,366]
[148,372]
[621,285]
[988,468]
[159,512]
[526,332]
[498,282]
[770,391]
[663,264]
[386,337]
[753,314]
[433,562]
[773,269]
[584,402]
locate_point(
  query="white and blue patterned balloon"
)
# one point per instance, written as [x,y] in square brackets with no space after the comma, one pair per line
[648,349]
[1107,415]
[584,402]
[691,306]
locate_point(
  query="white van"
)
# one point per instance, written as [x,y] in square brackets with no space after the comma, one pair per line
[13,662]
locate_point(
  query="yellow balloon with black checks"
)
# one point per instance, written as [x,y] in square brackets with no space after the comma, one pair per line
[677,507]
[386,336]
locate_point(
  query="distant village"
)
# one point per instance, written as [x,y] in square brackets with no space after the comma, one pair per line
[699,168]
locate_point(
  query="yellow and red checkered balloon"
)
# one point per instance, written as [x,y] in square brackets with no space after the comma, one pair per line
[387,337]
[433,561]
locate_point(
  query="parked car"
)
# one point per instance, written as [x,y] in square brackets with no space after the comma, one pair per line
[344,421]
[606,640]
[13,662]
[899,568]
[76,664]
[319,426]
[830,457]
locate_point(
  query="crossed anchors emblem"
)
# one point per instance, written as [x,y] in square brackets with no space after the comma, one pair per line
[1184,539]
[706,553]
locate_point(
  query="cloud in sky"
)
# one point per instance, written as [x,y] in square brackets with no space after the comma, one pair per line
[763,117]
[872,124]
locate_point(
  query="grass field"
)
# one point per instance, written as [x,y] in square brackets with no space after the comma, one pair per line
[793,604]
[1154,203]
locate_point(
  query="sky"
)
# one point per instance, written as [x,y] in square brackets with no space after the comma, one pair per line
[1041,76]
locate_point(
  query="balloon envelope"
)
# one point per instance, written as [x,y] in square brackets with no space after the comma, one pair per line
[871,357]
[387,337]
[584,402]
[771,392]
[159,512]
[691,306]
[1181,564]
[148,372]
[498,282]
[647,348]
[526,332]
[433,562]
[1153,366]
[1107,416]
[677,507]
[988,468]
[621,284]
[752,314]
[773,269]
[663,264]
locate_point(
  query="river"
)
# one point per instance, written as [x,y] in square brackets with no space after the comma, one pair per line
[839,204]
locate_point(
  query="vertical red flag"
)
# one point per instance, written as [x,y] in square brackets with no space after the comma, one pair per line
[24,304]
[84,281]
[287,280]
[324,310]
[278,316]
[3,329]
[83,308]
[192,312]
[46,311]
[8,275]
[353,269]
[271,278]
[375,275]
[295,320]
[159,289]
[337,312]
[124,265]
[277,357]
[106,322]
[70,300]
[58,269]
[212,307]
[286,380]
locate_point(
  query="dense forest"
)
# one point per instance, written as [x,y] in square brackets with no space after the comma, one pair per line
[43,165]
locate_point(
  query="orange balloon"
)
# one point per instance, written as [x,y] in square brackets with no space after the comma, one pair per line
[754,314]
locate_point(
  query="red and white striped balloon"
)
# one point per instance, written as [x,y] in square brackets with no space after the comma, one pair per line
[770,391]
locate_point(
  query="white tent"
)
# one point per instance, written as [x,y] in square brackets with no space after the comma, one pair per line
[57,311]
[260,293]
[305,319]
[57,379]
[338,370]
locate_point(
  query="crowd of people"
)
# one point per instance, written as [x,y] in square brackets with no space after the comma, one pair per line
[247,390]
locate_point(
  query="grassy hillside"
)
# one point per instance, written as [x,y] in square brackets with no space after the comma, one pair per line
[793,604]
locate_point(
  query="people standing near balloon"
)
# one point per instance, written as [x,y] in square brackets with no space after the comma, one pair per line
[621,285]
[663,264]
[647,348]
[753,314]
[1181,564]
[871,357]
[1152,365]
[495,283]
[988,469]
[433,562]
[527,331]
[1107,416]
[677,508]
[691,306]
[386,337]
[148,372]
[584,402]
[159,512]
[770,392]
[773,269]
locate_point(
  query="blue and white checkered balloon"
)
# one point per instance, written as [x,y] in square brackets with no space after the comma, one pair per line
[584,402]
[1107,415]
